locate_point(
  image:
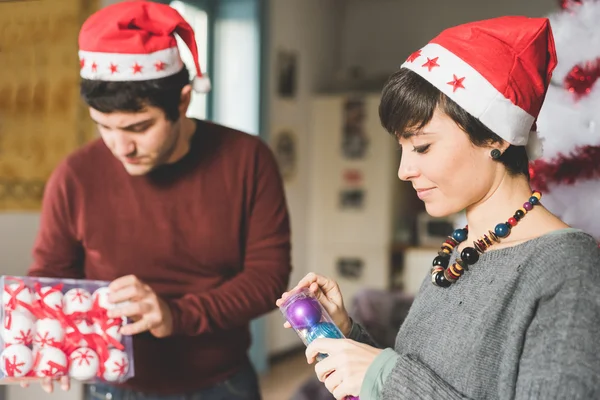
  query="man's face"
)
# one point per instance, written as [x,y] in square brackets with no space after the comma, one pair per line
[142,140]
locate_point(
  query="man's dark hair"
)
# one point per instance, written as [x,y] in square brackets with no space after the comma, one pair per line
[408,102]
[134,96]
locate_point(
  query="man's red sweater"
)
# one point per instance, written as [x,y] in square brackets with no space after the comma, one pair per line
[209,233]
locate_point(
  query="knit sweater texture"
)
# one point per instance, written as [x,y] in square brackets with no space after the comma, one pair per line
[522,323]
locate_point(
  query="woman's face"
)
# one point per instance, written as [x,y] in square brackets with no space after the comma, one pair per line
[448,172]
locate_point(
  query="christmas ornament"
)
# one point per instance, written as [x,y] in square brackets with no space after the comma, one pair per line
[568,4]
[17,297]
[116,366]
[50,297]
[582,78]
[110,329]
[16,361]
[48,332]
[323,330]
[82,327]
[100,297]
[83,364]
[51,362]
[303,313]
[18,328]
[77,301]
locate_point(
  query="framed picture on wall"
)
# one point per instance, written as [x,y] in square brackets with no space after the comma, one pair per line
[286,73]
[355,141]
[284,147]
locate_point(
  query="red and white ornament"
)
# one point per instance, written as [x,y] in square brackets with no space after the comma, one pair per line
[48,332]
[83,364]
[18,328]
[77,301]
[52,362]
[13,295]
[51,297]
[16,361]
[116,366]
[100,297]
[113,330]
[84,328]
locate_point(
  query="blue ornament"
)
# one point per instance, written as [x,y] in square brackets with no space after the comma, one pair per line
[460,235]
[323,330]
[502,230]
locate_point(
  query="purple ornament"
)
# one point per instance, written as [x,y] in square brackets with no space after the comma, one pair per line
[303,313]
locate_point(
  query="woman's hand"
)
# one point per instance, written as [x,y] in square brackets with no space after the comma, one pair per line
[343,370]
[328,293]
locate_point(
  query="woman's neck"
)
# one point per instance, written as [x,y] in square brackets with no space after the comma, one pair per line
[497,207]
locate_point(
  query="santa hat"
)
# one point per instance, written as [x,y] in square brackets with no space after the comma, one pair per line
[134,41]
[498,70]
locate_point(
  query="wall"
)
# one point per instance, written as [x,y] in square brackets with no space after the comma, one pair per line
[309,28]
[378,35]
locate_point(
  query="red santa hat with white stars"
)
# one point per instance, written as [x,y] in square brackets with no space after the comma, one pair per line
[135,41]
[498,70]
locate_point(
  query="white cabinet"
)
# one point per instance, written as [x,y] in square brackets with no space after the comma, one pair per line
[352,181]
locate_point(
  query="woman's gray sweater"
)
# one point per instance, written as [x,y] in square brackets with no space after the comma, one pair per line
[522,323]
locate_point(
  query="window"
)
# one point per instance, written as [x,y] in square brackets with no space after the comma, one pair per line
[228,39]
[198,20]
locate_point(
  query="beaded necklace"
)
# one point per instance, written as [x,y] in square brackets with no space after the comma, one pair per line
[444,276]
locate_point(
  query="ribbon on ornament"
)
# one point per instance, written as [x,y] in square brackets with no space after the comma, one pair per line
[14,302]
[42,309]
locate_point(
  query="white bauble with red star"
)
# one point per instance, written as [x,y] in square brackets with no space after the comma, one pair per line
[113,330]
[50,297]
[48,332]
[16,361]
[14,296]
[116,366]
[77,301]
[51,362]
[18,328]
[569,174]
[83,364]
[84,328]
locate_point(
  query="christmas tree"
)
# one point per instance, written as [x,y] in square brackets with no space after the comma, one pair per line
[569,123]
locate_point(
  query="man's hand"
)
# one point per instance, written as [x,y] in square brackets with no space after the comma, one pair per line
[48,384]
[148,311]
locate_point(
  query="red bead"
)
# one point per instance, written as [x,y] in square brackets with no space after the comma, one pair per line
[512,221]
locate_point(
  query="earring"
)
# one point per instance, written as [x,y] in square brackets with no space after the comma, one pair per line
[496,154]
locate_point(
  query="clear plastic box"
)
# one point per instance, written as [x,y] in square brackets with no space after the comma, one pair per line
[310,320]
[55,327]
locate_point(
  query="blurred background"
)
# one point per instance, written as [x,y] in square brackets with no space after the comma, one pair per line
[305,75]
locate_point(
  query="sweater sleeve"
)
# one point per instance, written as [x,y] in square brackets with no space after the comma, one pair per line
[57,251]
[556,362]
[267,263]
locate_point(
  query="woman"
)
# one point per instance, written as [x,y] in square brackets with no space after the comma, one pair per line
[511,307]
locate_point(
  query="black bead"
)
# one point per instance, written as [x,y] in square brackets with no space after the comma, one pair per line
[520,214]
[441,261]
[469,255]
[517,216]
[441,280]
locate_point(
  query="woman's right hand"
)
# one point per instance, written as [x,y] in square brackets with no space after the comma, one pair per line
[328,293]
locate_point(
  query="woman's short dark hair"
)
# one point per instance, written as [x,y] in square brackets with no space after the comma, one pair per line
[134,96]
[408,102]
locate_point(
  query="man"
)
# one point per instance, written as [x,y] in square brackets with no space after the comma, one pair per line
[186,218]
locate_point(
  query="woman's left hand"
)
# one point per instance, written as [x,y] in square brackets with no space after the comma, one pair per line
[344,369]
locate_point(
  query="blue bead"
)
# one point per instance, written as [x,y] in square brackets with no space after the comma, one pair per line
[502,230]
[534,200]
[460,235]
